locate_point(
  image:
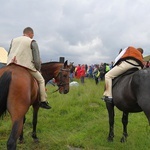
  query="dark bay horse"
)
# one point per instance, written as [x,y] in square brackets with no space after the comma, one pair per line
[19,90]
[131,94]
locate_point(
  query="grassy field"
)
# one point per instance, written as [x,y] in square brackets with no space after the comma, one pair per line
[79,121]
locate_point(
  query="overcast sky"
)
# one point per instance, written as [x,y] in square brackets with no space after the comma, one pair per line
[82,31]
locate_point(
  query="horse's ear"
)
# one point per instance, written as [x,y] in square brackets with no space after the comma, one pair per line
[66,62]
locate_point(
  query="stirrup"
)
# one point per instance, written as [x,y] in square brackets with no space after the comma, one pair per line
[107,99]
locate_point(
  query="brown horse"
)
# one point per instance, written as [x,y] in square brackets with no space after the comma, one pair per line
[19,90]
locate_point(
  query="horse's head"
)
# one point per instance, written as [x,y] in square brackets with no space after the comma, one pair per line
[72,67]
[62,78]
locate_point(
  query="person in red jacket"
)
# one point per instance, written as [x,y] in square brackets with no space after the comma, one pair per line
[82,73]
[77,71]
[128,58]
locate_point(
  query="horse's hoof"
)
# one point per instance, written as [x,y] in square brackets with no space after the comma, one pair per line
[110,139]
[20,141]
[123,140]
[36,140]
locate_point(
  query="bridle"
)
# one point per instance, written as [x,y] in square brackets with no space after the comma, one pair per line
[60,76]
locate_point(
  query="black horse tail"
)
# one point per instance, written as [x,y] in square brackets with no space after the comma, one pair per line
[5,80]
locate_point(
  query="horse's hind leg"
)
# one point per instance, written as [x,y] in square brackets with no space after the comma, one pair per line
[110,109]
[21,138]
[35,115]
[15,132]
[125,123]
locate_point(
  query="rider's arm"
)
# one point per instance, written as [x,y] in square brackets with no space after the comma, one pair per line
[36,55]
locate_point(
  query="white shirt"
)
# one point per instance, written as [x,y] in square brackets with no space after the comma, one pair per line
[120,55]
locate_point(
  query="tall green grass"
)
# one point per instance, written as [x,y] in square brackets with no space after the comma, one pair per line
[79,121]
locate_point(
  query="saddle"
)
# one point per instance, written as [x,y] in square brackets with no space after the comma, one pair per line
[128,72]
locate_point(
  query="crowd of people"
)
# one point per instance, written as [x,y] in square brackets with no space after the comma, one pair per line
[96,71]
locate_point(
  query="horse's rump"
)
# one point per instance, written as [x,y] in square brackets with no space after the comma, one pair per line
[23,89]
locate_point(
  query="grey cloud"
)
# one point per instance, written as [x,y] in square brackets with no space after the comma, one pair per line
[87,31]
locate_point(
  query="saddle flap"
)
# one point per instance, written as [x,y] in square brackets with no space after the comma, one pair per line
[128,72]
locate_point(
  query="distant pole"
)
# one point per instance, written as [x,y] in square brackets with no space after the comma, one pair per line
[62,59]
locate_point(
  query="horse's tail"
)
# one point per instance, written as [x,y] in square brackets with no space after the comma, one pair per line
[5,80]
